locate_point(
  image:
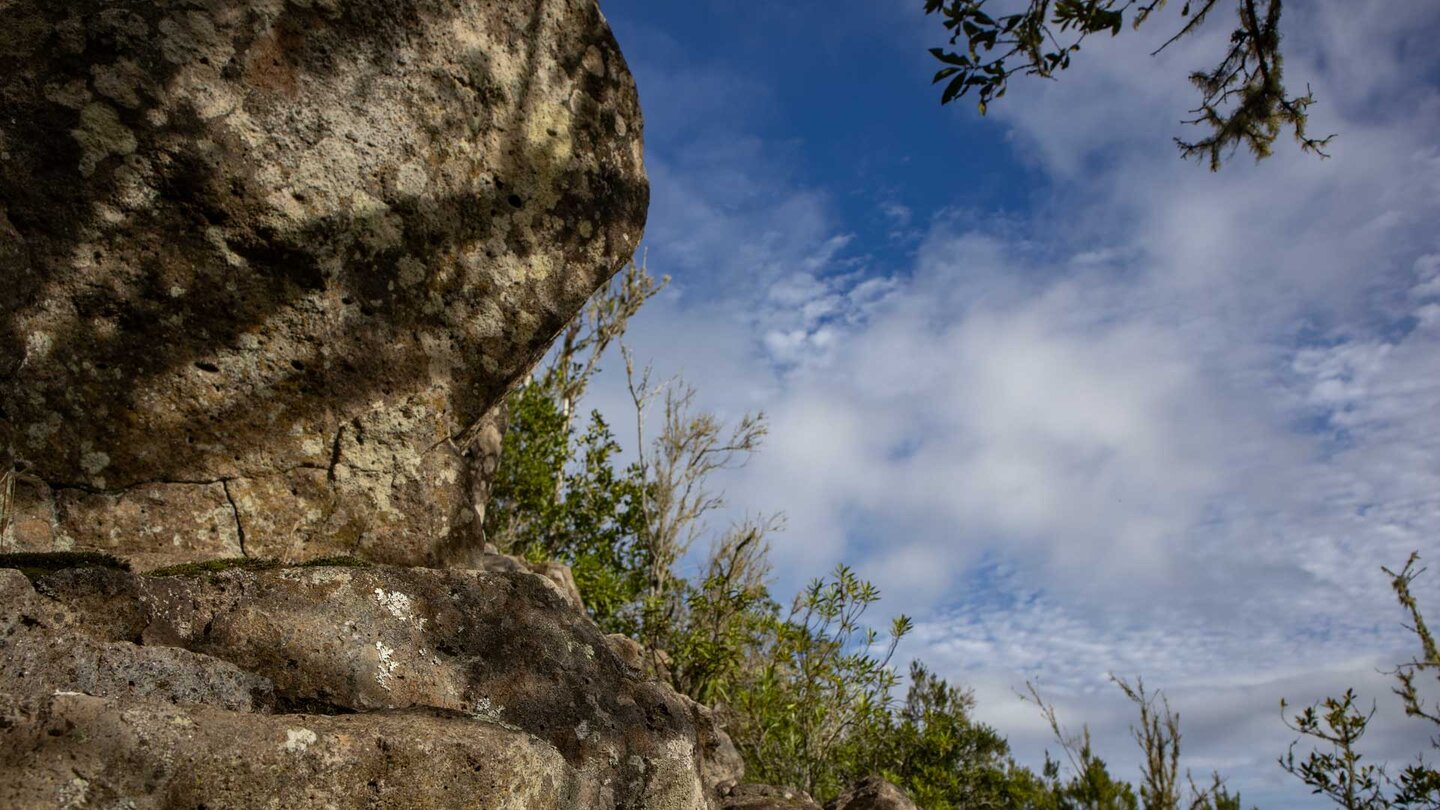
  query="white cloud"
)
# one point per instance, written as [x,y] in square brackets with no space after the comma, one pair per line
[1170,426]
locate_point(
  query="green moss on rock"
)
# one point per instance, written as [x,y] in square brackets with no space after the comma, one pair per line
[215,567]
[38,564]
[337,561]
[253,564]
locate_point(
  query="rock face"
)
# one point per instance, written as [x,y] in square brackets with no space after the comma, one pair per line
[872,793]
[354,686]
[765,797]
[269,264]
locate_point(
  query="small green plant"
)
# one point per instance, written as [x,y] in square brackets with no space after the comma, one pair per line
[1336,769]
[559,492]
[933,749]
[821,687]
[724,618]
[560,496]
[1337,773]
[1091,787]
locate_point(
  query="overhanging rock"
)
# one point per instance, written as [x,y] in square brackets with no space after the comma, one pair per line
[269,263]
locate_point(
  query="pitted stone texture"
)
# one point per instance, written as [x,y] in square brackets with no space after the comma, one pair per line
[151,525]
[43,650]
[721,765]
[296,250]
[502,649]
[872,793]
[83,751]
[765,797]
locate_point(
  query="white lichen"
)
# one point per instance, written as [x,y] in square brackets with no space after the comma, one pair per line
[298,739]
[486,709]
[399,605]
[37,345]
[75,793]
[386,669]
[94,462]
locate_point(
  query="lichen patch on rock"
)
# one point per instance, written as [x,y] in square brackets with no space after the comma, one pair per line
[297,740]
[320,683]
[298,248]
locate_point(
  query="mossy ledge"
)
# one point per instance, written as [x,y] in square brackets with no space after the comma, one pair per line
[36,564]
[252,564]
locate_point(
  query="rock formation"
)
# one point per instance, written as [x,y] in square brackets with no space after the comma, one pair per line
[345,685]
[765,797]
[872,793]
[270,263]
[270,267]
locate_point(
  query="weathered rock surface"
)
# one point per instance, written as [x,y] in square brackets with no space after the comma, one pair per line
[268,264]
[351,685]
[82,751]
[42,651]
[765,797]
[872,793]
[557,575]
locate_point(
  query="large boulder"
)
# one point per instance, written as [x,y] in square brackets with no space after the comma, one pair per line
[269,264]
[344,685]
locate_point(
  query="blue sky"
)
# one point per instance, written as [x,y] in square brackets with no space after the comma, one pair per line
[1076,405]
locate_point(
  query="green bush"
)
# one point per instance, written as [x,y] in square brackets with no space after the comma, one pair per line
[558,495]
[819,692]
[1335,769]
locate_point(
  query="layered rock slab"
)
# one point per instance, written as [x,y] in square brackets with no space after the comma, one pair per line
[269,263]
[424,687]
[872,793]
[765,797]
[83,751]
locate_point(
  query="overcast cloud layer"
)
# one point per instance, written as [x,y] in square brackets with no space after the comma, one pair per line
[1166,423]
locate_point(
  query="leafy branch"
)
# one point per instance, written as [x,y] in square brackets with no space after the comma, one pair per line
[1243,99]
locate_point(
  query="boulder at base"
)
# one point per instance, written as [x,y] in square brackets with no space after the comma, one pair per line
[872,793]
[268,264]
[765,797]
[333,685]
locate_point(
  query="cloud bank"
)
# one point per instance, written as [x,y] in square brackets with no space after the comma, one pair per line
[1164,422]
